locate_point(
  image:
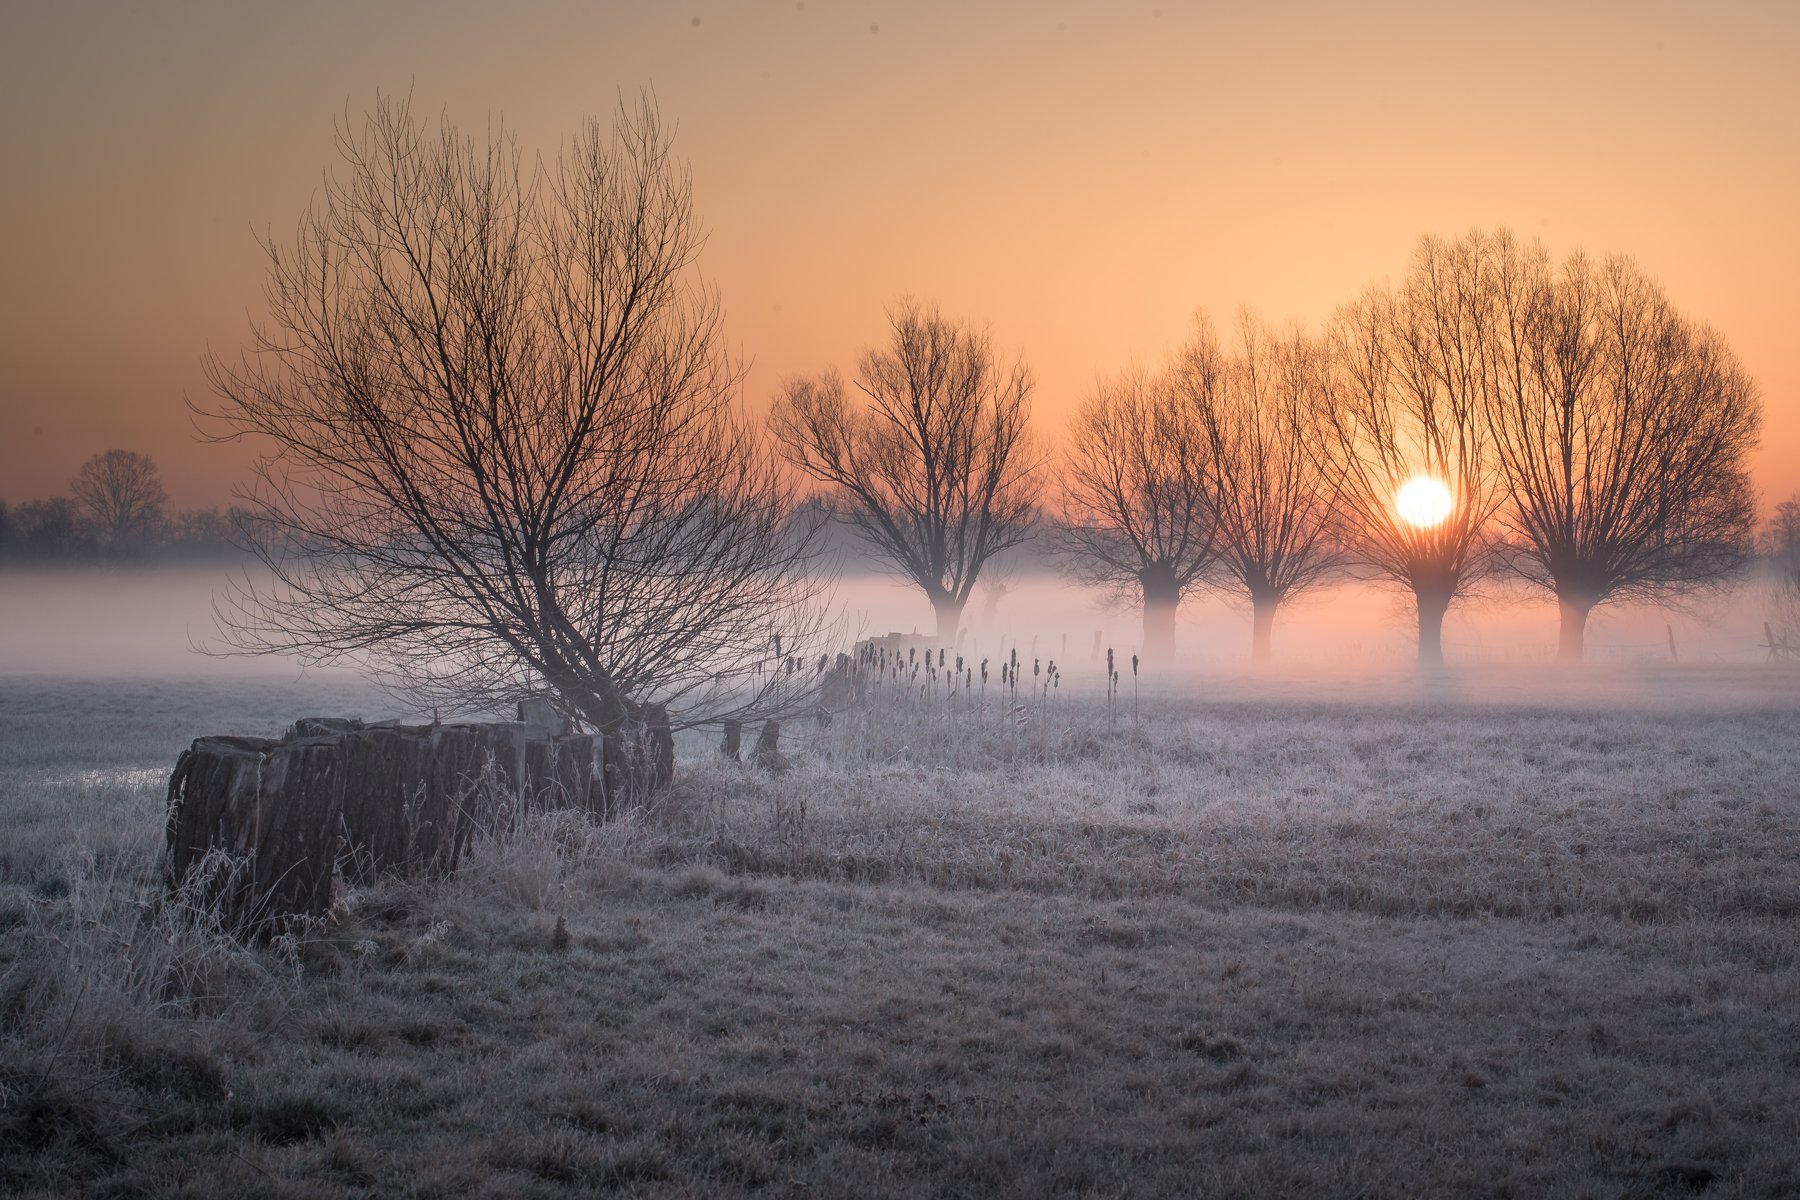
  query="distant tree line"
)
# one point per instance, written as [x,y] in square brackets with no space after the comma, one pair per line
[1570,431]
[116,512]
[501,451]
[1557,425]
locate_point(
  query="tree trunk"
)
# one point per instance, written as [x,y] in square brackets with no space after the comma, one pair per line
[1433,604]
[1573,634]
[1262,624]
[1161,599]
[949,617]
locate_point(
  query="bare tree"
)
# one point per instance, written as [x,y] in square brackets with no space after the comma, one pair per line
[933,470]
[1780,539]
[1622,430]
[502,449]
[1780,546]
[1406,417]
[1274,512]
[123,493]
[1137,495]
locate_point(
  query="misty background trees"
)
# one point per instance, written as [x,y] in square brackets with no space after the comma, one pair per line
[1406,403]
[1779,546]
[1622,430]
[123,494]
[117,512]
[503,411]
[1273,503]
[931,464]
[1138,499]
[500,452]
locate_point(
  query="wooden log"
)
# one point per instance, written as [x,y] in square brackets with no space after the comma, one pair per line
[214,778]
[768,747]
[307,727]
[639,759]
[559,773]
[386,823]
[476,772]
[253,829]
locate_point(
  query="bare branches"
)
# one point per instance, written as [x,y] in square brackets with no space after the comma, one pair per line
[932,468]
[1622,429]
[502,452]
[1411,372]
[1261,411]
[123,493]
[1137,498]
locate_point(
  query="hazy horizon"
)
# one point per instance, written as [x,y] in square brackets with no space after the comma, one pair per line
[1081,179]
[68,621]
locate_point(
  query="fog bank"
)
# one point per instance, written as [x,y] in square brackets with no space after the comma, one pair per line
[1350,641]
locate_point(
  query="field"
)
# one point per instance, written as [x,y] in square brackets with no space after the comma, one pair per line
[1496,934]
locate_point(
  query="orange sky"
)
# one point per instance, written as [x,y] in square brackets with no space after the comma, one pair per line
[1081,176]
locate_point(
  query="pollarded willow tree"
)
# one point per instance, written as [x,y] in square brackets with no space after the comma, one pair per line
[933,467]
[1273,501]
[1137,498]
[1406,430]
[1622,431]
[501,451]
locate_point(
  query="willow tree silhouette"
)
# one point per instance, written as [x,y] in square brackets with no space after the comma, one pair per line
[501,452]
[933,468]
[1274,505]
[1137,496]
[1622,430]
[1407,400]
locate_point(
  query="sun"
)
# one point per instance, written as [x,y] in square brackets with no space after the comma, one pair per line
[1423,501]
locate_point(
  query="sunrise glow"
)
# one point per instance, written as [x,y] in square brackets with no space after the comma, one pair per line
[1423,501]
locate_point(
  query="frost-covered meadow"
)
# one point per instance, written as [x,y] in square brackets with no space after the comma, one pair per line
[1507,931]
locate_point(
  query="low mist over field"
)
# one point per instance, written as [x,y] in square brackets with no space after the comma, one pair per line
[148,621]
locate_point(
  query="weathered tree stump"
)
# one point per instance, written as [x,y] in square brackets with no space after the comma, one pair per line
[387,781]
[257,828]
[640,759]
[253,828]
[560,773]
[732,744]
[768,748]
[475,784]
[212,791]
[320,726]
